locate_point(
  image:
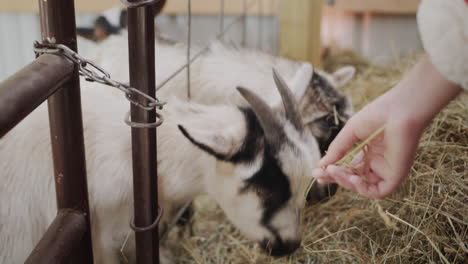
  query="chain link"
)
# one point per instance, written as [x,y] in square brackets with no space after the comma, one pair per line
[94,73]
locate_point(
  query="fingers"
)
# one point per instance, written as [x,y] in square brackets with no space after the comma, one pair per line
[358,184]
[326,180]
[341,176]
[376,190]
[332,174]
[385,188]
[322,176]
[366,189]
[358,160]
[319,173]
[340,145]
[372,187]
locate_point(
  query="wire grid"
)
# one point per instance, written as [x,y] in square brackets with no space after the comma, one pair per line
[246,6]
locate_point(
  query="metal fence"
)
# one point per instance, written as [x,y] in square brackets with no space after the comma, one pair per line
[54,77]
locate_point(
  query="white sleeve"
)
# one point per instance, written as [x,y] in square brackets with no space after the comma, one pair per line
[443,25]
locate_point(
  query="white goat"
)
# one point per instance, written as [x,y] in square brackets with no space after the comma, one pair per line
[218,71]
[255,162]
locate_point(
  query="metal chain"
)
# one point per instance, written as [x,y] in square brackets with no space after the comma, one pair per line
[94,73]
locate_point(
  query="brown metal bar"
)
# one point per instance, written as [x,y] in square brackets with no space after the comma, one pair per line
[142,76]
[63,235]
[27,89]
[66,125]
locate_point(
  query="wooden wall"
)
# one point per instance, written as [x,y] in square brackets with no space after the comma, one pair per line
[378,6]
[375,28]
[300,23]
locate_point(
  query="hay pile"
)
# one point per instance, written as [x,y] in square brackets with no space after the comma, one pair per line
[426,221]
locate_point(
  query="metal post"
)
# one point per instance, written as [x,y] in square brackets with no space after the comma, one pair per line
[142,77]
[221,18]
[189,44]
[244,23]
[66,125]
[62,237]
[260,25]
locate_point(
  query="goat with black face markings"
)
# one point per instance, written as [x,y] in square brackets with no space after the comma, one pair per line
[254,161]
[215,74]
[269,155]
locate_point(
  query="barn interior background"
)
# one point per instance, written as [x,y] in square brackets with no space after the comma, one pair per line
[377,29]
[425,222]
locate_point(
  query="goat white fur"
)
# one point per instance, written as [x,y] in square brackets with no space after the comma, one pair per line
[185,171]
[216,73]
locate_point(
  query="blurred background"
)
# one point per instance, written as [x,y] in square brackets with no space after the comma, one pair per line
[300,29]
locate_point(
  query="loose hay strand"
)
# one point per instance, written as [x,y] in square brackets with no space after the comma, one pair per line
[421,232]
[359,147]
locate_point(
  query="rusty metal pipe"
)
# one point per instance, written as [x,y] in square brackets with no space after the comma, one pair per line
[27,89]
[66,125]
[63,235]
[142,76]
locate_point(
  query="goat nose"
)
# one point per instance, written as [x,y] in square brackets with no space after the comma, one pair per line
[281,249]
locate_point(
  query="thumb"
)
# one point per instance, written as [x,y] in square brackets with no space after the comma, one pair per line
[340,145]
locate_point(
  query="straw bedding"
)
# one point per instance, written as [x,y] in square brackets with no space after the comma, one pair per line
[426,221]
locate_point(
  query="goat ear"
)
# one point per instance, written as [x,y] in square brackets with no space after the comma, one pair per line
[220,142]
[301,80]
[344,75]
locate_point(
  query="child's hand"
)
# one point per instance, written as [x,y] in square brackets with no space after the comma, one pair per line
[388,158]
[405,111]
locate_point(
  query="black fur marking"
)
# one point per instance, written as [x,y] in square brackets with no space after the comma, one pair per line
[341,104]
[123,19]
[186,216]
[269,182]
[328,93]
[201,145]
[253,141]
[331,130]
[321,192]
[320,83]
[85,32]
[332,98]
[102,22]
[280,248]
[273,188]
